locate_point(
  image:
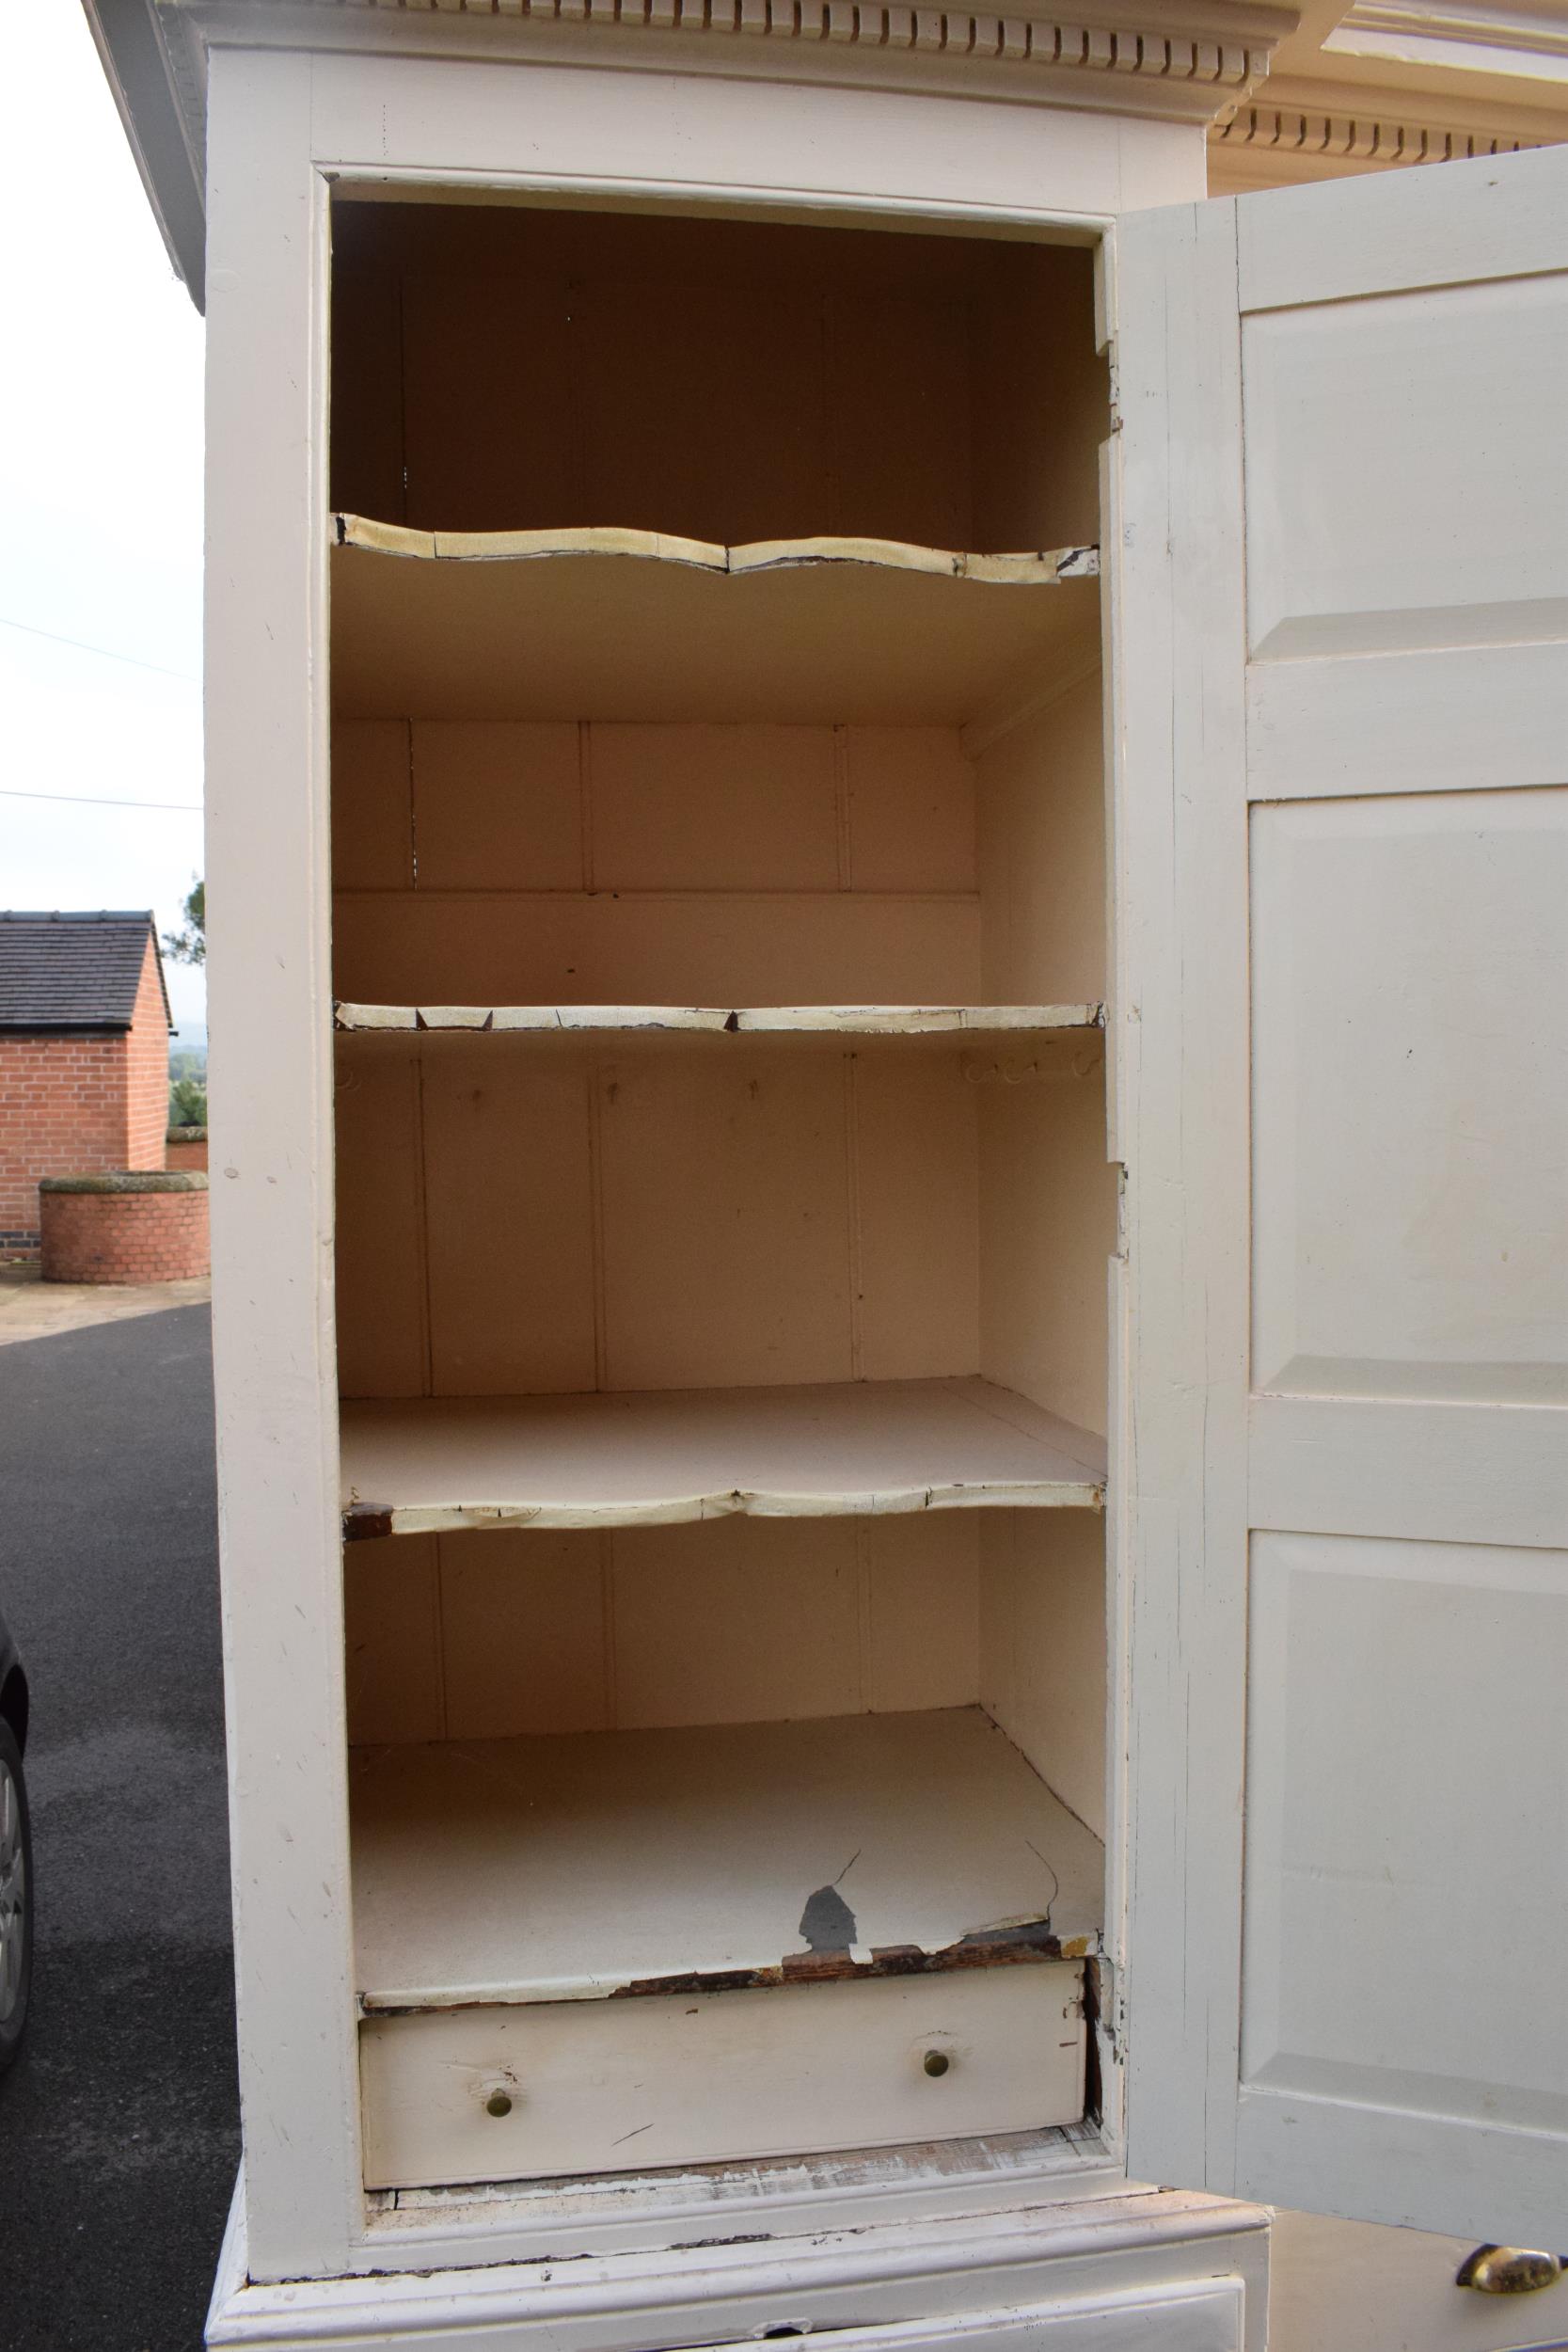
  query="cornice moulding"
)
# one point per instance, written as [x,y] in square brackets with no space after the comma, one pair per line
[1181,61]
[1529,38]
[1183,65]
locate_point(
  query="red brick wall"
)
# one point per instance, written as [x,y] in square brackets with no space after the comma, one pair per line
[76,1106]
[187,1149]
[62,1113]
[145,1073]
[124,1237]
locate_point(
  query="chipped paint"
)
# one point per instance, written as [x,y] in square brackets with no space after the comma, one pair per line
[362,1520]
[885,1021]
[1029,1943]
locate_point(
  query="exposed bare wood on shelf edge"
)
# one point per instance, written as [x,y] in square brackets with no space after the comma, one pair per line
[1019,1945]
[1026,569]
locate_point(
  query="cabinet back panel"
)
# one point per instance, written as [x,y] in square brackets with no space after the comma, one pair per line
[500,368]
[489,1634]
[703,949]
[516,1222]
[497,862]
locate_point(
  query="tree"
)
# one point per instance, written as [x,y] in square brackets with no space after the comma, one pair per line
[187,1102]
[189,944]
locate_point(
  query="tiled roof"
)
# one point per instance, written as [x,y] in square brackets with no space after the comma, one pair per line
[73,971]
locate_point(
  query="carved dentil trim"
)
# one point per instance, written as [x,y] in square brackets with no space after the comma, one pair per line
[1337,137]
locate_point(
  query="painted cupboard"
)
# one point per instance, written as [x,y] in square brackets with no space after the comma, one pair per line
[888,846]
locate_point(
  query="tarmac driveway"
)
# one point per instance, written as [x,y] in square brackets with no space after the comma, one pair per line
[118,2125]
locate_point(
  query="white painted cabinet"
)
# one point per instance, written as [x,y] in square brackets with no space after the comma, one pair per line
[888,994]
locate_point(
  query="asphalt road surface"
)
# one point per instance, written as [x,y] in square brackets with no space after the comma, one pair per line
[119,2123]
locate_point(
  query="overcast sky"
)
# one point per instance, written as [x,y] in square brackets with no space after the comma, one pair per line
[100,504]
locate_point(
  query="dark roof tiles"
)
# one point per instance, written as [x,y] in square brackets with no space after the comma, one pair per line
[73,971]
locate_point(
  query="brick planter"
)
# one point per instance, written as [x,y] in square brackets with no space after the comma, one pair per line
[186,1146]
[140,1226]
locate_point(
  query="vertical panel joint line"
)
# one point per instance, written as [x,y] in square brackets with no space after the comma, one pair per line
[607,1622]
[427,1335]
[843,809]
[595,1198]
[585,802]
[852,1213]
[866,1693]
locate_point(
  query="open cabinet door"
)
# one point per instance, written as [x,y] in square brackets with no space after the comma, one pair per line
[1340,566]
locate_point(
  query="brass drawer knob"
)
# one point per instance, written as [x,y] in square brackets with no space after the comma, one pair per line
[1509,2270]
[499,2102]
[936,2061]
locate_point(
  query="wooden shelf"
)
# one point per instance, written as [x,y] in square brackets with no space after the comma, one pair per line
[659,1456]
[625,1025]
[645,1862]
[624,624]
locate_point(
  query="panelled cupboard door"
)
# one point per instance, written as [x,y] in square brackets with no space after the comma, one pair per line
[1342,586]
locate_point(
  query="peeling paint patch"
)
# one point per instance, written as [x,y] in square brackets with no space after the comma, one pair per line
[827,1922]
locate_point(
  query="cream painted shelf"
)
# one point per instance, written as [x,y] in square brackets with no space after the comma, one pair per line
[604,1863]
[633,1023]
[624,624]
[659,1456]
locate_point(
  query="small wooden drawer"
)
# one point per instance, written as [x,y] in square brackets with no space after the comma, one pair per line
[525,2092]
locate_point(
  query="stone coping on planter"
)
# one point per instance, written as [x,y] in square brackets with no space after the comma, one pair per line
[122,1179]
[186,1135]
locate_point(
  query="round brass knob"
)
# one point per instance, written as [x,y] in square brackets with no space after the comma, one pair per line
[936,2061]
[499,2102]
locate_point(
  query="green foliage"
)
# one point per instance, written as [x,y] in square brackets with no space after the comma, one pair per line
[187,1101]
[188,945]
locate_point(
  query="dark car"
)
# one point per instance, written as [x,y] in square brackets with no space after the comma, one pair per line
[16,1853]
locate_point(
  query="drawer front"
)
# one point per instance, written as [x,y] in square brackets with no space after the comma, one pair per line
[571,2086]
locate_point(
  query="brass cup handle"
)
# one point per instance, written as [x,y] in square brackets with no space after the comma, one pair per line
[1509,2270]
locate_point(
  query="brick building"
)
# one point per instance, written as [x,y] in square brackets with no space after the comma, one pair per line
[84,1055]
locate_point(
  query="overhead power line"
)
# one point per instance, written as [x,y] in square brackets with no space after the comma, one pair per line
[86,799]
[105,652]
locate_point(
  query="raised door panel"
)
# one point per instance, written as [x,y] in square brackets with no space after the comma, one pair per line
[1410,1003]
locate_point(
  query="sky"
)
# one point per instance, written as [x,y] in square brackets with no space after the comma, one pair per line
[99,506]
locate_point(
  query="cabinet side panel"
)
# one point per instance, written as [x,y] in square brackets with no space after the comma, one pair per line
[272,1157]
[1041,805]
[1042,1646]
[1048,1225]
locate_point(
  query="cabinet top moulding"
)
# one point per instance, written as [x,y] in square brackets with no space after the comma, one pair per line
[630,625]
[664,1457]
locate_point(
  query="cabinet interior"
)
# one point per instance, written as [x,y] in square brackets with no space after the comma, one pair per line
[720,1040]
